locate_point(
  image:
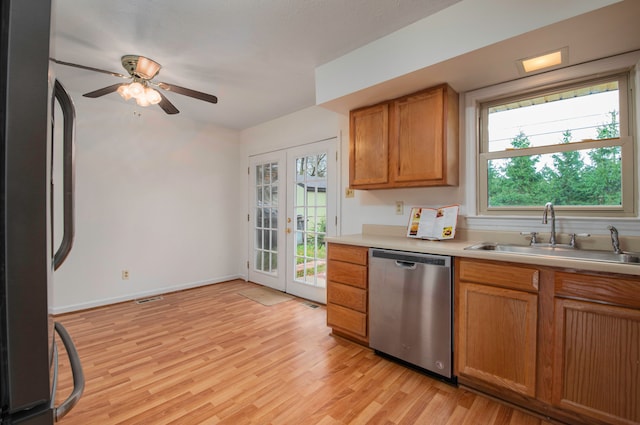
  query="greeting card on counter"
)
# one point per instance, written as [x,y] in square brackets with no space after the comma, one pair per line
[433,223]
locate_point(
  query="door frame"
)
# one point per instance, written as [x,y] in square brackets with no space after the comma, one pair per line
[280,282]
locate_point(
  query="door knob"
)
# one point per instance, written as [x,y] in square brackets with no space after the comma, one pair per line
[288,230]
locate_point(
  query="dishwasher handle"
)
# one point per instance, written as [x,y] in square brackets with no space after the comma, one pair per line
[405,265]
[409,258]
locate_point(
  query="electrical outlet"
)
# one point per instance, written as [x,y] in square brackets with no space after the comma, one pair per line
[399,207]
[349,193]
[125,274]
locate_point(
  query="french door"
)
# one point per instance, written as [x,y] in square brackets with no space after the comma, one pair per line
[293,200]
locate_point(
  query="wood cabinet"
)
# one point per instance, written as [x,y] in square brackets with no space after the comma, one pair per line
[411,141]
[563,343]
[496,333]
[347,297]
[597,347]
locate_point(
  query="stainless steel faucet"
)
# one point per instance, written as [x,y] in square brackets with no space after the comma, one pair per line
[549,207]
[615,242]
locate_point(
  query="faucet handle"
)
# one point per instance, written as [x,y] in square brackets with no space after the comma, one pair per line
[572,242]
[534,236]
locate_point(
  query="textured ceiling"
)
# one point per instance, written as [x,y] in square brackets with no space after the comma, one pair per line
[257,56]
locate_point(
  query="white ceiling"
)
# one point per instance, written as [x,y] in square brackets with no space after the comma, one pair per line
[259,56]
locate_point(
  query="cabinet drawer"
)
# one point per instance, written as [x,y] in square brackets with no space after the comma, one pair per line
[347,273]
[347,320]
[614,290]
[504,275]
[347,296]
[348,253]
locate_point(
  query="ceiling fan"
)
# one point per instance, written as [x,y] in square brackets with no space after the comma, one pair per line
[141,71]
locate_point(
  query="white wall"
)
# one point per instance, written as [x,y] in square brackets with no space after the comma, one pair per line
[154,195]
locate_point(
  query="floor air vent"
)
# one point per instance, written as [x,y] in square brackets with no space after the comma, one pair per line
[148,300]
[310,305]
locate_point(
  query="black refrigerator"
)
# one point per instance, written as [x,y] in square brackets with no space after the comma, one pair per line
[29,98]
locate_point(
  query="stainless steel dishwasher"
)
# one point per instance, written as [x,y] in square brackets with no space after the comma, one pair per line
[410,308]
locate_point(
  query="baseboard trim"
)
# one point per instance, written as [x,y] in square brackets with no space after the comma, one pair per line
[134,296]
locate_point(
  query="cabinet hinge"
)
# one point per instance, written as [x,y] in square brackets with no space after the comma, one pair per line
[248,217]
[336,220]
[247,264]
[248,170]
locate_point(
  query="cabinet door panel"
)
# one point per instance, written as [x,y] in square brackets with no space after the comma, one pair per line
[369,146]
[418,137]
[597,360]
[497,338]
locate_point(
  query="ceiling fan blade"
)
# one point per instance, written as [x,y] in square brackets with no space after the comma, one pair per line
[188,92]
[167,106]
[89,68]
[103,91]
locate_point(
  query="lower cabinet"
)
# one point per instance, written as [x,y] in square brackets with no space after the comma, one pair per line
[597,349]
[563,343]
[347,297]
[497,308]
[499,344]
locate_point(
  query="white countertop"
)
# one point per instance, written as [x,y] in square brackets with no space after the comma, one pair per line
[389,238]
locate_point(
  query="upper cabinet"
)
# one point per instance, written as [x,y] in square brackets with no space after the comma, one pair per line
[411,141]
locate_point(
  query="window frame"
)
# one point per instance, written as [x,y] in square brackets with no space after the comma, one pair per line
[546,85]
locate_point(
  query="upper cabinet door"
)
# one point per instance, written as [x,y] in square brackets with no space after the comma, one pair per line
[424,138]
[369,146]
[417,135]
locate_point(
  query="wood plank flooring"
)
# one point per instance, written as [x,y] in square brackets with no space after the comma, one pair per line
[211,356]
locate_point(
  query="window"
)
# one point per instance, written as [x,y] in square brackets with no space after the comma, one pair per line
[569,145]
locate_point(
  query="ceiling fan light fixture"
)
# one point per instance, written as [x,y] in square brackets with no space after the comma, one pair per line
[142,101]
[152,96]
[123,91]
[136,89]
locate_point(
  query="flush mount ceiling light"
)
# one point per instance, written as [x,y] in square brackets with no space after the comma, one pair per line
[546,61]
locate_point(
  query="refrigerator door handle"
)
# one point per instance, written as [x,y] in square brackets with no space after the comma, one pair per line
[76,369]
[68,131]
[54,376]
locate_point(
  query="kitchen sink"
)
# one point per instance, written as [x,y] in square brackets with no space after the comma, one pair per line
[557,251]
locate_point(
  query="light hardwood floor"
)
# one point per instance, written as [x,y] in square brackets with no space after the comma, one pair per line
[211,356]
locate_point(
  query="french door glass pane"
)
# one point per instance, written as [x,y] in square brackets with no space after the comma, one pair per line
[310,202]
[266,218]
